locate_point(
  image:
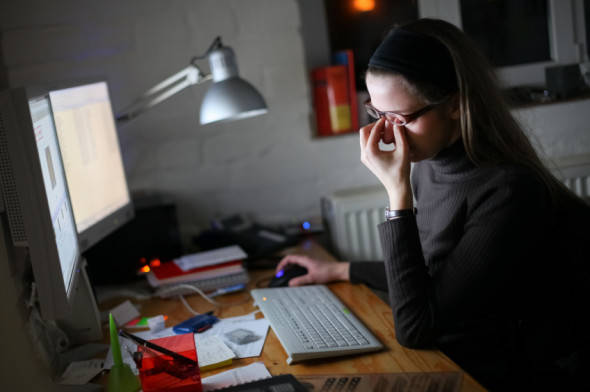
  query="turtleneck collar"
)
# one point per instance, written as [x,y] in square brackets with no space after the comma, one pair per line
[452,159]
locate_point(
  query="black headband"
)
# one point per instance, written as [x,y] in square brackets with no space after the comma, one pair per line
[416,56]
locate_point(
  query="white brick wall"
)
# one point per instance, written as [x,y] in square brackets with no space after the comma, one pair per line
[268,166]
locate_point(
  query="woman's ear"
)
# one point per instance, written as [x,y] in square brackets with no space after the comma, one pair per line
[454,107]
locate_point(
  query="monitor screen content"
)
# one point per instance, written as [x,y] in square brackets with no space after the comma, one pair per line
[56,190]
[94,168]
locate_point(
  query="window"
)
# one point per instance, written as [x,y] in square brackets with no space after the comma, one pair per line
[352,27]
[520,37]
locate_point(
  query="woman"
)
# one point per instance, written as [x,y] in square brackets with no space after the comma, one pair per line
[479,268]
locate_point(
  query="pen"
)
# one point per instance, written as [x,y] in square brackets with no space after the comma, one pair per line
[157,348]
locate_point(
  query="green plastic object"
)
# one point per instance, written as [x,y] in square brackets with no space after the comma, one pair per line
[121,378]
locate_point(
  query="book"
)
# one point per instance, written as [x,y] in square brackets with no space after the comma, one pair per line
[206,285]
[170,272]
[199,266]
[346,57]
[210,257]
[331,100]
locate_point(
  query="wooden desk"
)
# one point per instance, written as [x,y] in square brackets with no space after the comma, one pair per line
[374,313]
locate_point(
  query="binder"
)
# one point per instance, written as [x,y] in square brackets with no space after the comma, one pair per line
[346,57]
[331,100]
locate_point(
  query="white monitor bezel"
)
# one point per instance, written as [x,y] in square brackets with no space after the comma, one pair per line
[54,297]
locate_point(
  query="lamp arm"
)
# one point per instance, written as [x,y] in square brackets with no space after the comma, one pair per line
[179,81]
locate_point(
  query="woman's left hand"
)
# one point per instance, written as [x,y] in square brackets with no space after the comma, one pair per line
[392,168]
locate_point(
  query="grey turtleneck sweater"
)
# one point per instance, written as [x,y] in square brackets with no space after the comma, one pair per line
[474,268]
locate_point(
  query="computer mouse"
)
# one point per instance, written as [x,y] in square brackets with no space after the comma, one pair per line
[283,277]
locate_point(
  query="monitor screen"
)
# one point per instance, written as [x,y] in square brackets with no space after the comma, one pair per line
[56,190]
[92,158]
[36,198]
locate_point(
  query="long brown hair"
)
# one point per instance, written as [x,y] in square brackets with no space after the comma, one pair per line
[491,135]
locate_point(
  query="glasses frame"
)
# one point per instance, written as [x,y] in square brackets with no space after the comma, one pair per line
[399,118]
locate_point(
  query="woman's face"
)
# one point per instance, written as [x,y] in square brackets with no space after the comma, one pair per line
[428,134]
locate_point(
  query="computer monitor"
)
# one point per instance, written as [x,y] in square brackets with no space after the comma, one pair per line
[92,159]
[36,198]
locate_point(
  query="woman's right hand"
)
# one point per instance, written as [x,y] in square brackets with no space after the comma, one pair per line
[392,168]
[318,271]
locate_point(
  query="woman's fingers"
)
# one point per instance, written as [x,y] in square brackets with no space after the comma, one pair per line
[364,136]
[289,259]
[399,133]
[372,145]
[301,280]
[388,136]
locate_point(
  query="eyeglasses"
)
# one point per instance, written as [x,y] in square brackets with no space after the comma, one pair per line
[398,118]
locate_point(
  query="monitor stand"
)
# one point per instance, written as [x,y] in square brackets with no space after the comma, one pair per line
[83,325]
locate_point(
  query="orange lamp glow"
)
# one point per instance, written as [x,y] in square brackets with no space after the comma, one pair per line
[145,269]
[363,5]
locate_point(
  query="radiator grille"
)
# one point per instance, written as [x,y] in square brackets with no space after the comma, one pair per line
[352,217]
[579,185]
[574,172]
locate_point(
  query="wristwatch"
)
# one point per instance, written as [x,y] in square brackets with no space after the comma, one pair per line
[396,214]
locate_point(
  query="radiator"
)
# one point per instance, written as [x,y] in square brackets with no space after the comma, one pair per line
[351,217]
[574,172]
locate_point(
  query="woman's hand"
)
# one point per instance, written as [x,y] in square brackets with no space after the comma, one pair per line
[318,271]
[392,168]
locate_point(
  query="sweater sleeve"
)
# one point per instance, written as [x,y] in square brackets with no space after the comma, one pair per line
[501,225]
[371,273]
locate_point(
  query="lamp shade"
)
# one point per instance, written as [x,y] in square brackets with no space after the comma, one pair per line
[231,99]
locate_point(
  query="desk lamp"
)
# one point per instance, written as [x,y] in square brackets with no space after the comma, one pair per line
[229,97]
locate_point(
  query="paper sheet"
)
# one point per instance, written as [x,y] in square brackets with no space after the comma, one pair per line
[257,327]
[81,372]
[211,350]
[124,312]
[149,335]
[127,349]
[242,375]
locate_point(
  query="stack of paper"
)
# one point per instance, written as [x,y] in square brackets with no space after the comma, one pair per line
[199,267]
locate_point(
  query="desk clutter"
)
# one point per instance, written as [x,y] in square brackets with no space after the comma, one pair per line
[216,271]
[174,358]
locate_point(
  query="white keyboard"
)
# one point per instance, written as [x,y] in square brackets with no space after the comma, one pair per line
[311,322]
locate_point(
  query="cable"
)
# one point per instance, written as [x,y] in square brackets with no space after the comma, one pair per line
[186,305]
[162,292]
